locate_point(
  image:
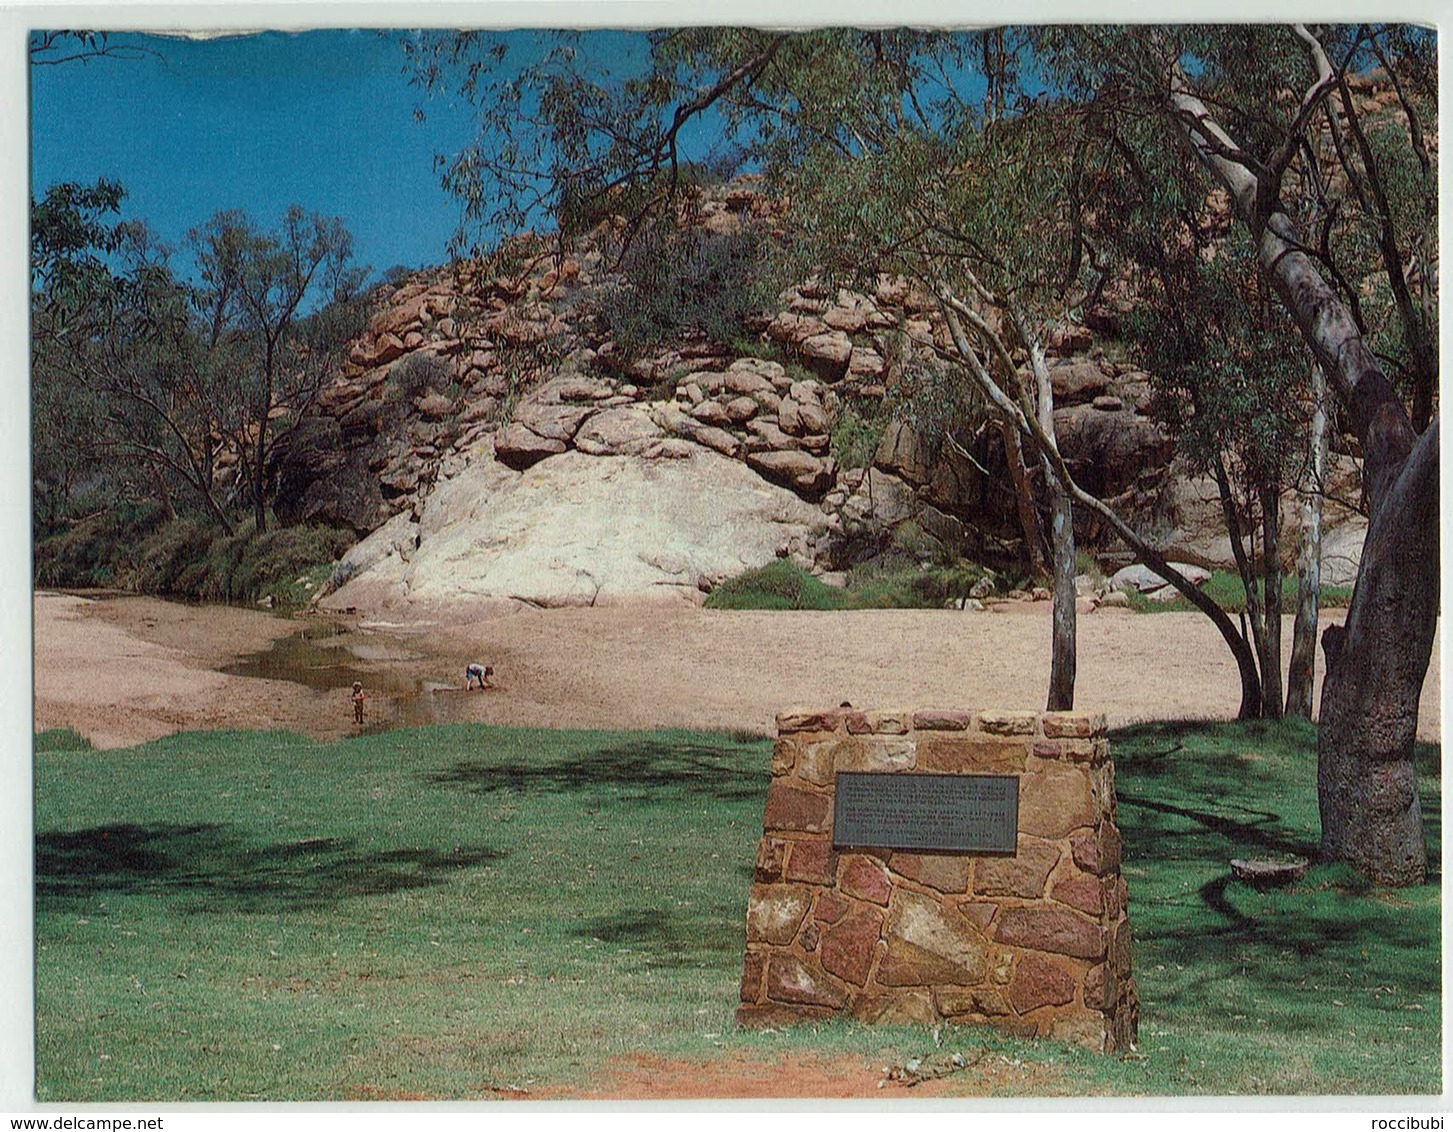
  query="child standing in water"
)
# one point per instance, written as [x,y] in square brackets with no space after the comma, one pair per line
[358,701]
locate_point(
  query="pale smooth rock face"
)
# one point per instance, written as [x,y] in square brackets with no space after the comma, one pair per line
[578,530]
[1146,580]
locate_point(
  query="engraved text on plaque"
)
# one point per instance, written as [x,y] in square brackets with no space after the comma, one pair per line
[940,812]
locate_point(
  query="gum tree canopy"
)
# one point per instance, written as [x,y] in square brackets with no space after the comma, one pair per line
[1339,218]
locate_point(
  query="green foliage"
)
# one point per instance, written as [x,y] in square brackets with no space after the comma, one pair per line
[247,566]
[416,373]
[777,585]
[136,547]
[676,283]
[894,580]
[1226,590]
[95,551]
[854,440]
[455,912]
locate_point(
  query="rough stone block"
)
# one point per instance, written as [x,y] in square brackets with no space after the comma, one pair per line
[937,870]
[1115,897]
[794,809]
[817,758]
[882,753]
[864,878]
[847,948]
[1072,725]
[908,1008]
[1092,752]
[789,979]
[942,720]
[1101,987]
[979,913]
[791,722]
[929,944]
[988,1001]
[1035,943]
[775,912]
[753,968]
[830,907]
[771,852]
[1120,950]
[1054,801]
[1050,929]
[1023,875]
[1086,893]
[959,754]
[888,722]
[1097,851]
[812,861]
[1008,722]
[1041,980]
[1082,1027]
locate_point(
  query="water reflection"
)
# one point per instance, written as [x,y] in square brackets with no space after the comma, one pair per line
[329,657]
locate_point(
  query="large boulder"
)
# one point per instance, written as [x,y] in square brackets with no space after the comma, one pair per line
[580,530]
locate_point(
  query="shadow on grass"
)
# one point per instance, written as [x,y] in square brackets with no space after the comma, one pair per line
[1193,796]
[668,940]
[646,768]
[211,867]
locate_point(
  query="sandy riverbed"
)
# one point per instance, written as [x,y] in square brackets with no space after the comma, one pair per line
[122,670]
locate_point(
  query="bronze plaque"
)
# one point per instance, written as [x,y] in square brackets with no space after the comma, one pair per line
[944,813]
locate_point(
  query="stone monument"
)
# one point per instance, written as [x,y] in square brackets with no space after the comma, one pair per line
[933,866]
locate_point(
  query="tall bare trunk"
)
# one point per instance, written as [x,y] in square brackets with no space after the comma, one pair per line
[1269,645]
[1063,647]
[1301,670]
[1366,784]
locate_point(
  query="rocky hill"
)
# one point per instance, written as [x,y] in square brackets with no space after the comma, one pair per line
[491,447]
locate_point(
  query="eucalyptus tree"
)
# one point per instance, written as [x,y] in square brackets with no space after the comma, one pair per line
[1248,101]
[121,385]
[254,295]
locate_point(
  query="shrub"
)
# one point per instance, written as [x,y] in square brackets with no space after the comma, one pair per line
[417,372]
[1224,587]
[675,284]
[854,441]
[136,548]
[893,580]
[778,585]
[93,552]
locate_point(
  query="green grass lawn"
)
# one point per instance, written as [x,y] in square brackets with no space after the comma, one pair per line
[455,911]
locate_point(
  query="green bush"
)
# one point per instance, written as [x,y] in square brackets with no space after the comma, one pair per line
[778,585]
[417,372]
[680,283]
[135,547]
[855,439]
[92,553]
[1225,589]
[892,581]
[896,579]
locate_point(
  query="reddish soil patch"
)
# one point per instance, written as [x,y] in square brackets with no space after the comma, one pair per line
[740,1076]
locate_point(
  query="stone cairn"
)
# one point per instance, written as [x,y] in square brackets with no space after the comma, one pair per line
[1036,942]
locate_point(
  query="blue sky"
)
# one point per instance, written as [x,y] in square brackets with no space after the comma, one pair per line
[322,119]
